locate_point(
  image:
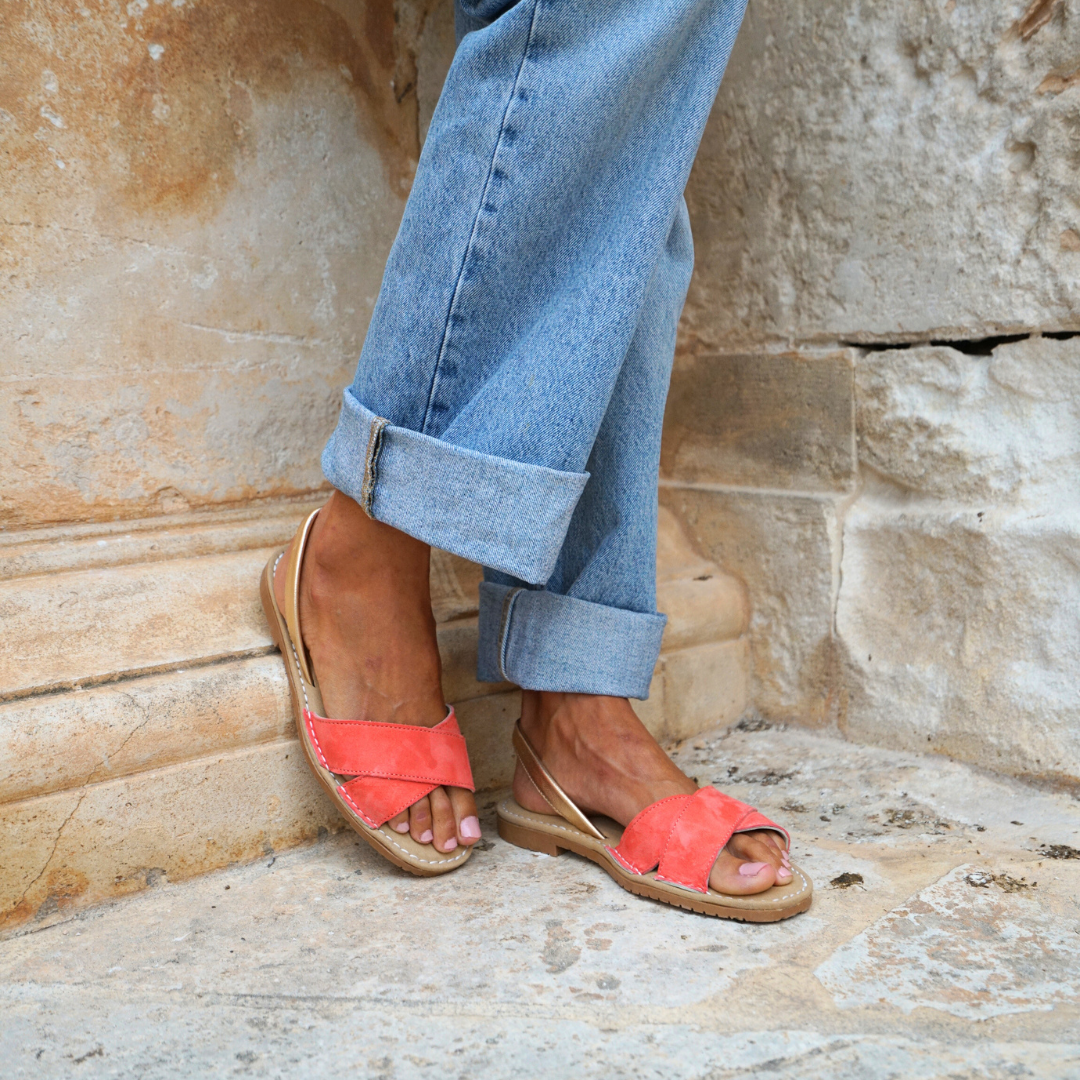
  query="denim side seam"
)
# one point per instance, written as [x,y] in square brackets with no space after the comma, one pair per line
[504,622]
[505,514]
[371,466]
[469,246]
[548,641]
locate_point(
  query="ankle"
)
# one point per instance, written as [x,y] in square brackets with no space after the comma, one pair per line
[538,710]
[350,550]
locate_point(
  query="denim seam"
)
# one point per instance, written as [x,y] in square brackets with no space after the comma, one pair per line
[371,465]
[504,630]
[476,222]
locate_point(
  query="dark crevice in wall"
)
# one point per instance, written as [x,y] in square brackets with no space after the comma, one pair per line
[970,346]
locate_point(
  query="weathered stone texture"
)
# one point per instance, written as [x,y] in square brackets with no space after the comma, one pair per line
[941,944]
[59,741]
[884,169]
[767,420]
[961,635]
[960,572]
[86,845]
[197,201]
[1003,428]
[783,549]
[887,174]
[993,972]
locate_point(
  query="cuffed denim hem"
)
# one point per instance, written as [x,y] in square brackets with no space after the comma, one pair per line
[504,514]
[546,641]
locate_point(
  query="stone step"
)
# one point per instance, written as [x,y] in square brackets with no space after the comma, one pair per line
[935,918]
[140,672]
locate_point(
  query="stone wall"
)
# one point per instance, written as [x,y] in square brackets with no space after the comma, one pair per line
[875,414]
[197,200]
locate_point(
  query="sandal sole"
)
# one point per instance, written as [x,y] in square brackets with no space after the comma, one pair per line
[552,836]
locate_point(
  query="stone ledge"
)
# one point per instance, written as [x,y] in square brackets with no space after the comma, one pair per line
[223,696]
[84,845]
[97,785]
[110,833]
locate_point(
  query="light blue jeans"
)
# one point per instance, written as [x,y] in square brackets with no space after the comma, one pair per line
[509,397]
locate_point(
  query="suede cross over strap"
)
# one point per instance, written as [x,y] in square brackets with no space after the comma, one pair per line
[680,837]
[391,765]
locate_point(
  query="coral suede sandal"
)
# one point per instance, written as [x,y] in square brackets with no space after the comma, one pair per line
[666,853]
[372,771]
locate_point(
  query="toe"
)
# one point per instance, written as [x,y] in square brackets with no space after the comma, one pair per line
[751,863]
[444,827]
[741,877]
[401,822]
[764,846]
[468,822]
[420,821]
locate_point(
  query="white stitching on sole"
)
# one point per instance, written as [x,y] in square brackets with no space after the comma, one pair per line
[576,833]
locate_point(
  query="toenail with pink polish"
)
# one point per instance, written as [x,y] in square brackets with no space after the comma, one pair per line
[470,827]
[784,871]
[450,844]
[401,826]
[427,836]
[749,869]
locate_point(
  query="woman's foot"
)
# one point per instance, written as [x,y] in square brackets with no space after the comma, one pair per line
[608,763]
[365,617]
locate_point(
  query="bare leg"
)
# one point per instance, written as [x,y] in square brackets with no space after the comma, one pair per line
[365,615]
[608,763]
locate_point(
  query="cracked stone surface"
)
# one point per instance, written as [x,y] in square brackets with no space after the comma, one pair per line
[1019,953]
[943,941]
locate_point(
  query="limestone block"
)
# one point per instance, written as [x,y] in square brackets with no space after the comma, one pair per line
[960,634]
[458,642]
[90,625]
[53,742]
[784,548]
[704,687]
[765,420]
[701,602]
[110,839]
[198,202]
[986,430]
[697,688]
[889,169]
[263,524]
[710,608]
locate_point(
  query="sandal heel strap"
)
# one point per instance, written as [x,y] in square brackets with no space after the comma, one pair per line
[292,596]
[546,784]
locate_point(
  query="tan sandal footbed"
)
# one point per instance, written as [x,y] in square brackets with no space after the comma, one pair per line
[400,848]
